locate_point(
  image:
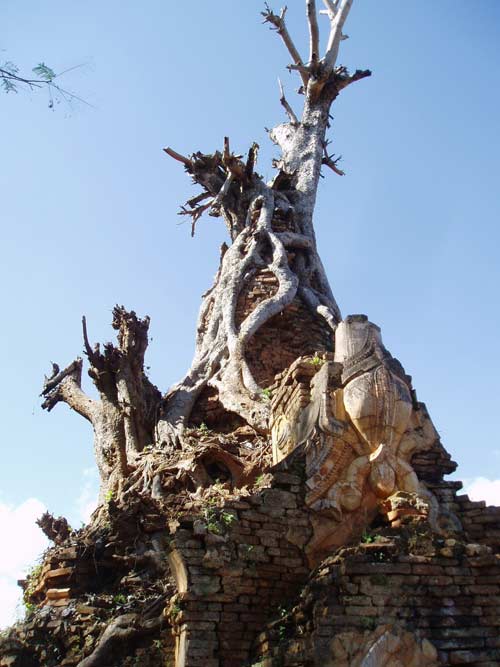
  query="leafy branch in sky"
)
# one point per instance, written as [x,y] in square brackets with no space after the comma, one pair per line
[41,76]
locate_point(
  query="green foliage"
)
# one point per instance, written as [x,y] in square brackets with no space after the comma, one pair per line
[32,578]
[203,428]
[120,599]
[217,520]
[44,73]
[283,612]
[366,538]
[267,394]
[227,518]
[259,480]
[316,361]
[8,68]
[41,76]
[29,607]
[109,495]
[175,610]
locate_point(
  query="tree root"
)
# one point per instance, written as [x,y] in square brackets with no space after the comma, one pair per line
[118,636]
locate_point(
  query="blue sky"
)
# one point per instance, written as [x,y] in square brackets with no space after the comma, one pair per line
[88,218]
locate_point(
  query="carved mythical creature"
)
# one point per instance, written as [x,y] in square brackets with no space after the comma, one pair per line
[358,419]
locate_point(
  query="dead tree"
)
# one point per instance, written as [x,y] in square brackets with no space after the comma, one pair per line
[272,238]
[124,418]
[271,229]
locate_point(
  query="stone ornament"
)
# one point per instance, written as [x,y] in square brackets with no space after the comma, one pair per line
[387,646]
[356,415]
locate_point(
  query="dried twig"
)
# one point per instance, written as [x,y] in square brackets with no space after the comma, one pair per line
[291,114]
[329,161]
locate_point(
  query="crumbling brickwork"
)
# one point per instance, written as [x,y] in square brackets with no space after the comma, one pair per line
[238,564]
[449,597]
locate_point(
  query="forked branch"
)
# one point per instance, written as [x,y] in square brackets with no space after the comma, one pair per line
[279,23]
[331,161]
[290,112]
[65,386]
[216,173]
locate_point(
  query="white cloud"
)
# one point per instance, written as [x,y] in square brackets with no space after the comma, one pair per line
[87,500]
[481,488]
[22,543]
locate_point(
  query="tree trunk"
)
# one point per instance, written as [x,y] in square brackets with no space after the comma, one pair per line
[273,238]
[270,303]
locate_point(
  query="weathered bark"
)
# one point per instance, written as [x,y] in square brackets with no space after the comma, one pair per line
[271,230]
[249,206]
[124,418]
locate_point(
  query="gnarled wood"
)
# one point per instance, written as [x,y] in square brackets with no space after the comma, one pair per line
[249,207]
[124,418]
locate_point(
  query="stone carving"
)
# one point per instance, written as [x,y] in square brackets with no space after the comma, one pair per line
[358,419]
[387,646]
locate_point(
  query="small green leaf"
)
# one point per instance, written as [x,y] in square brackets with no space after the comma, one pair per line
[8,85]
[10,67]
[44,72]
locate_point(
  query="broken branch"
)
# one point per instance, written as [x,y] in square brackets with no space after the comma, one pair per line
[290,112]
[251,160]
[279,23]
[177,156]
[65,386]
[344,81]
[74,369]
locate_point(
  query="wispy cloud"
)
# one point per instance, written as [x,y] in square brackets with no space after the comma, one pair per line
[22,543]
[87,500]
[482,488]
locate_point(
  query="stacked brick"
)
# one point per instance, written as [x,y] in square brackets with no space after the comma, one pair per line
[242,573]
[240,563]
[449,598]
[481,523]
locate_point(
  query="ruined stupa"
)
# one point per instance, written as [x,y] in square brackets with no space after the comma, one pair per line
[285,503]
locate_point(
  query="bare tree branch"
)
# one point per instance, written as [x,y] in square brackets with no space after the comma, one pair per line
[330,162]
[335,37]
[194,201]
[343,81]
[177,156]
[65,386]
[331,8]
[279,23]
[291,114]
[91,353]
[10,79]
[251,160]
[312,20]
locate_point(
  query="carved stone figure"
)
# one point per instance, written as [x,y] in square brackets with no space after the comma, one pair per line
[357,417]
